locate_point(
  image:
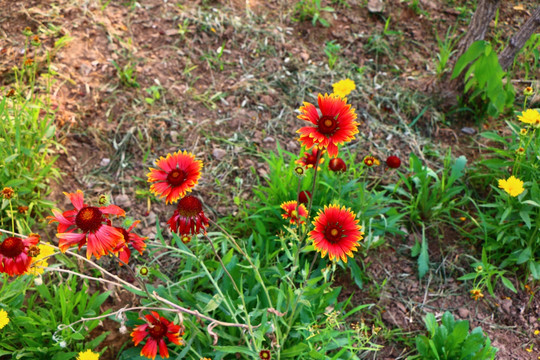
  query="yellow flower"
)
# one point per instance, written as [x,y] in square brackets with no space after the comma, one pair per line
[344,87]
[523,132]
[40,260]
[536,332]
[476,294]
[528,91]
[206,359]
[4,319]
[513,185]
[530,116]
[88,355]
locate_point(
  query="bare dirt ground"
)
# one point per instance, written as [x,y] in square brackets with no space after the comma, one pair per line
[228,106]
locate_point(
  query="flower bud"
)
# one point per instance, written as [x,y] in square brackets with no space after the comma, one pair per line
[337,165]
[393,162]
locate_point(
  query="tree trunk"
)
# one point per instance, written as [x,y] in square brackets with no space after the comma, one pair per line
[485,11]
[506,58]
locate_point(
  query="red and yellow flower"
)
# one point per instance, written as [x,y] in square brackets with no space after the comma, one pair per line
[93,224]
[130,238]
[175,175]
[310,158]
[336,232]
[371,161]
[334,123]
[155,331]
[14,257]
[188,218]
[294,212]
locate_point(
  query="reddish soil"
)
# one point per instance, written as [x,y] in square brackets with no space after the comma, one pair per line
[269,66]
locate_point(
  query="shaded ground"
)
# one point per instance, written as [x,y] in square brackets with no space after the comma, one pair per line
[227,106]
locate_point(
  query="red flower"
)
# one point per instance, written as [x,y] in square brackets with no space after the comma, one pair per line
[188,218]
[155,334]
[265,354]
[393,162]
[334,125]
[92,222]
[337,165]
[14,257]
[292,213]
[309,159]
[304,196]
[336,232]
[130,238]
[176,175]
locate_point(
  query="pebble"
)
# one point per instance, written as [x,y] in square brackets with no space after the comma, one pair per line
[105,162]
[123,201]
[463,313]
[219,153]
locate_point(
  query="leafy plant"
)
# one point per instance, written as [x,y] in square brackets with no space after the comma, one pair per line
[126,74]
[312,10]
[34,332]
[451,340]
[484,78]
[446,50]
[332,51]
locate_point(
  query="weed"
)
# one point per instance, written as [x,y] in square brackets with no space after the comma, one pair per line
[446,50]
[312,10]
[332,51]
[126,74]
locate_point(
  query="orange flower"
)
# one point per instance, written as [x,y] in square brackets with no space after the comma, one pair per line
[155,333]
[176,175]
[7,193]
[188,218]
[334,125]
[92,222]
[309,159]
[292,213]
[14,257]
[476,294]
[336,232]
[130,238]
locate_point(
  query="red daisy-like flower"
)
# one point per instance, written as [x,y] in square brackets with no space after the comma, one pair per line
[370,161]
[337,165]
[304,196]
[393,162]
[14,257]
[292,213]
[334,123]
[188,218]
[309,159]
[336,232]
[155,333]
[265,355]
[95,231]
[130,238]
[176,175]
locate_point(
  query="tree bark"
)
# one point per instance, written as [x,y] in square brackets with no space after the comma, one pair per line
[506,57]
[485,11]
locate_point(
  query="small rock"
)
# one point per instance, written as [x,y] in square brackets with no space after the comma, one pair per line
[267,100]
[219,153]
[292,146]
[123,201]
[468,130]
[105,162]
[375,6]
[268,139]
[304,56]
[463,313]
[174,135]
[506,305]
[151,218]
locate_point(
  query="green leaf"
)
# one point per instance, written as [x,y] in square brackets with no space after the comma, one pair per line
[236,349]
[213,304]
[476,49]
[534,267]
[508,284]
[423,258]
[431,323]
[524,256]
[525,217]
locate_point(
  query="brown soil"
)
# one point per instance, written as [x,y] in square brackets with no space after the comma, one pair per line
[225,110]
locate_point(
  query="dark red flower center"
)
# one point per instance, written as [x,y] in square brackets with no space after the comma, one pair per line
[337,164]
[176,177]
[125,234]
[89,219]
[12,247]
[189,206]
[33,251]
[304,196]
[157,330]
[327,124]
[393,161]
[333,233]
